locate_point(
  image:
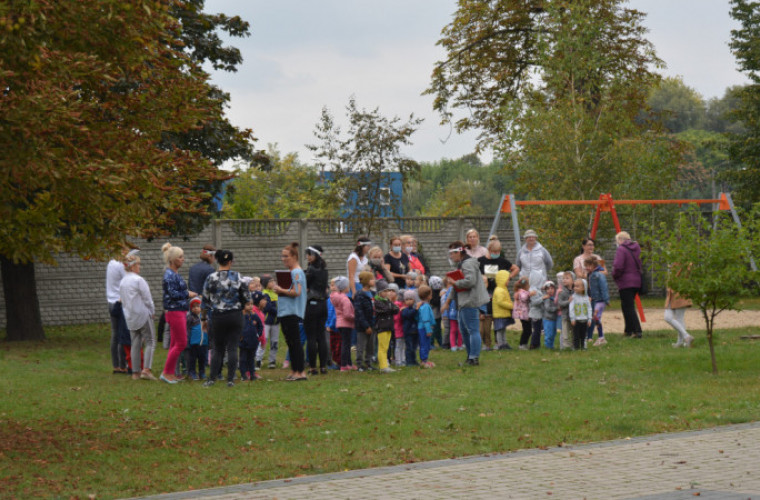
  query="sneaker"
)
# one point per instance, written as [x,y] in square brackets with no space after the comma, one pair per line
[353,367]
[209,383]
[230,384]
[585,343]
[286,364]
[689,340]
[600,341]
[387,370]
[272,365]
[678,344]
[345,368]
[454,349]
[147,375]
[523,347]
[164,379]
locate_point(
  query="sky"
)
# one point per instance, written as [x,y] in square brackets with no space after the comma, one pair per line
[304,55]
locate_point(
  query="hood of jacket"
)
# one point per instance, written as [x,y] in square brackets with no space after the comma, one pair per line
[633,246]
[502,278]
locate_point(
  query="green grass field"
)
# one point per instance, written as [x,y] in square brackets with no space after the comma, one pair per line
[69,428]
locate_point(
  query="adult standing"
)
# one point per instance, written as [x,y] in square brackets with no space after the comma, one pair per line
[316,309]
[139,311]
[579,267]
[475,249]
[291,308]
[489,266]
[534,260]
[176,304]
[397,262]
[115,272]
[356,263]
[470,293]
[225,295]
[626,271]
[407,246]
[201,270]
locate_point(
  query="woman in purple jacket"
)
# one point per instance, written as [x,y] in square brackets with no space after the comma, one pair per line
[627,275]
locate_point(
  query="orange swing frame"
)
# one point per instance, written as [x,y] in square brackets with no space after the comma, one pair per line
[605,203]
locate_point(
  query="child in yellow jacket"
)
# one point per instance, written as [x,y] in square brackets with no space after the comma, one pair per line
[502,309]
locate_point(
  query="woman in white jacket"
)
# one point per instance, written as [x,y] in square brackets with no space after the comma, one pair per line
[534,260]
[138,311]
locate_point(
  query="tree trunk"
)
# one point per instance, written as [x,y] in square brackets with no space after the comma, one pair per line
[712,351]
[23,319]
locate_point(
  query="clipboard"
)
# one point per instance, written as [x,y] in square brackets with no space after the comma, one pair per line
[284,279]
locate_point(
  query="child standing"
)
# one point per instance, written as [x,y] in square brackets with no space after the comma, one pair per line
[399,351]
[580,313]
[536,314]
[344,320]
[272,322]
[198,341]
[600,297]
[260,302]
[364,322]
[563,302]
[409,323]
[436,284]
[425,322]
[450,305]
[253,328]
[443,295]
[332,331]
[502,309]
[550,313]
[521,310]
[385,310]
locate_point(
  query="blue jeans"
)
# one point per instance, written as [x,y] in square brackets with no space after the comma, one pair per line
[550,331]
[469,326]
[412,343]
[425,343]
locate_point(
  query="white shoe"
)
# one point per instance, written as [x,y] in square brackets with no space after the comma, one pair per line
[600,341]
[523,347]
[688,341]
[678,344]
[387,370]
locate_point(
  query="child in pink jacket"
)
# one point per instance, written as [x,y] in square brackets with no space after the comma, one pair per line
[344,320]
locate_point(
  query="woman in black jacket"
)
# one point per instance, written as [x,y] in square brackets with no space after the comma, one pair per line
[316,310]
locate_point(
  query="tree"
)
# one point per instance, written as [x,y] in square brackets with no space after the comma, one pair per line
[557,88]
[745,147]
[89,89]
[678,106]
[712,263]
[287,190]
[362,160]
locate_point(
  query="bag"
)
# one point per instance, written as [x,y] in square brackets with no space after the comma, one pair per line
[643,289]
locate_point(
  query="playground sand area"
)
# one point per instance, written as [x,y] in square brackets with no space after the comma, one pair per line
[612,320]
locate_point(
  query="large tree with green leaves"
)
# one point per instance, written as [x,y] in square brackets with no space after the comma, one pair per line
[101,115]
[556,88]
[361,159]
[745,146]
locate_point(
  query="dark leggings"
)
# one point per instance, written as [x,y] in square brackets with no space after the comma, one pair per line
[226,329]
[526,331]
[628,305]
[314,325]
[579,333]
[292,334]
[345,346]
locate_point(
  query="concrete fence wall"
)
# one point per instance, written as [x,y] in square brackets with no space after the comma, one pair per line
[73,292]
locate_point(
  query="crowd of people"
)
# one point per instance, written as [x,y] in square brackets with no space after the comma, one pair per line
[386,311]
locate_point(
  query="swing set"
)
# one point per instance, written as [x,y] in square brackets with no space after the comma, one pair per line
[605,203]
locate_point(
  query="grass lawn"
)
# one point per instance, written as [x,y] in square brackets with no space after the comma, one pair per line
[69,428]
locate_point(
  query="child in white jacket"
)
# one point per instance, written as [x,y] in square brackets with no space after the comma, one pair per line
[580,313]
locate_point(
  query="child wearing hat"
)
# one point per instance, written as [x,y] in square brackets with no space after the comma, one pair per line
[385,310]
[197,355]
[409,322]
[344,319]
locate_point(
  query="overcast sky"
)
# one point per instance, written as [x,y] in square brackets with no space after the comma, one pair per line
[305,54]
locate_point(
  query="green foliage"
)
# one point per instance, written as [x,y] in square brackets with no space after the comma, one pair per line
[677,106]
[361,159]
[745,147]
[287,189]
[709,262]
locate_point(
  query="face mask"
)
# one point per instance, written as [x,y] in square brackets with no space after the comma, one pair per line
[409,249]
[396,249]
[494,255]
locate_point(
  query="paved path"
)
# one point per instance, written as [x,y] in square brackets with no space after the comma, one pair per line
[719,463]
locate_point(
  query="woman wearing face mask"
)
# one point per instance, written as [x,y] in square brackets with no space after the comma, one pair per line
[377,266]
[415,264]
[397,262]
[489,266]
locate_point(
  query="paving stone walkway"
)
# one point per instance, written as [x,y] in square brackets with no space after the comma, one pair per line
[720,463]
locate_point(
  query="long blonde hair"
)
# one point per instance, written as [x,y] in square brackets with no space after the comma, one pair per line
[171,253]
